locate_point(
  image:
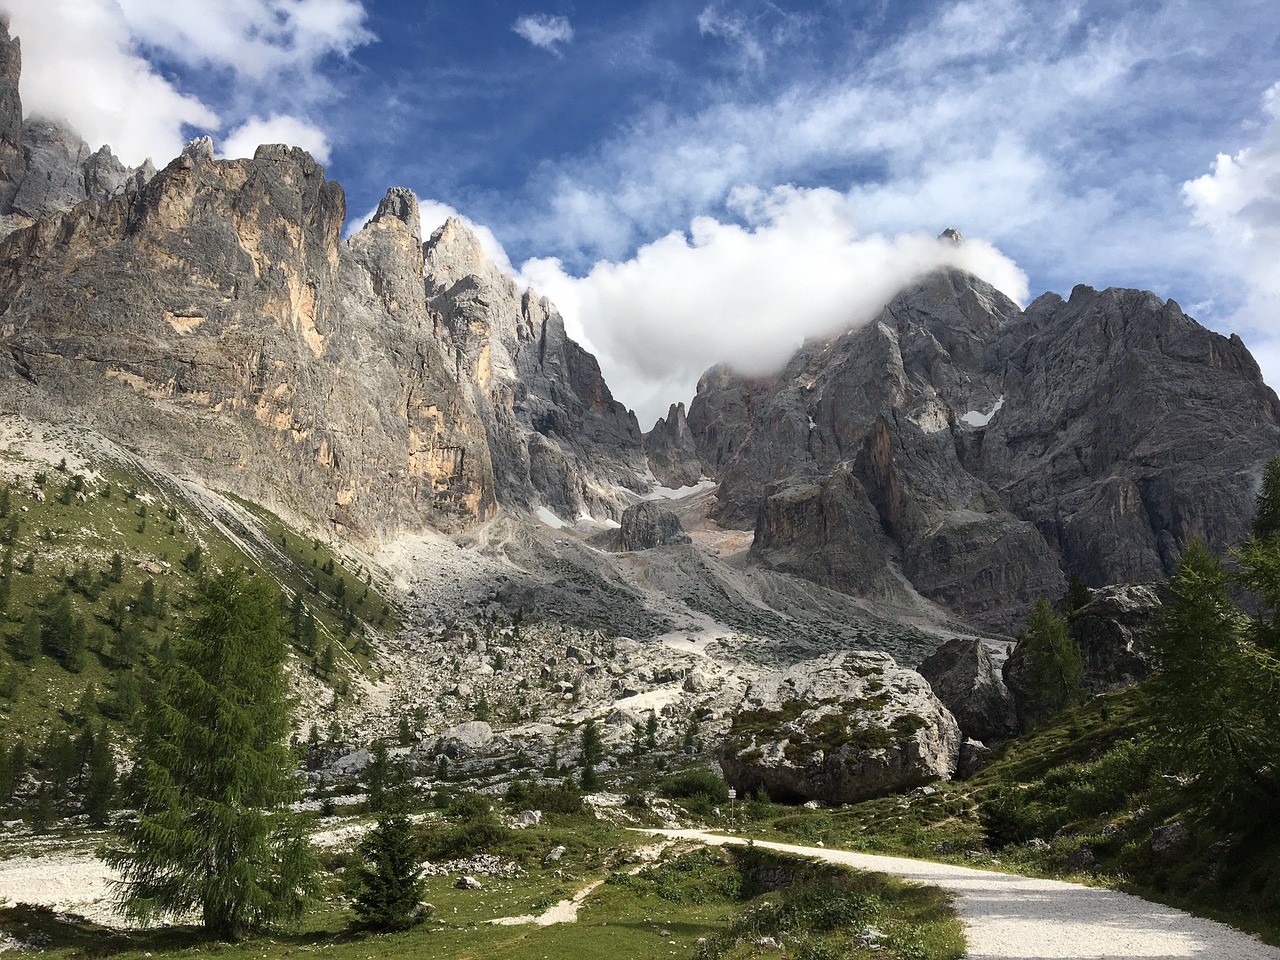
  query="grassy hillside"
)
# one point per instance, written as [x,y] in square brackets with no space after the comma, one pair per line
[99,561]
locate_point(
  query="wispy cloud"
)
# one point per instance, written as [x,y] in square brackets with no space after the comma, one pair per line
[544,30]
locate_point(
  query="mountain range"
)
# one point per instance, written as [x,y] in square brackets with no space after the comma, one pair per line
[954,458]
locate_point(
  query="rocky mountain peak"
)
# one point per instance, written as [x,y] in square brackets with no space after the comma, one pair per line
[401,204]
[982,451]
[951,235]
[201,148]
[46,168]
[671,451]
[454,251]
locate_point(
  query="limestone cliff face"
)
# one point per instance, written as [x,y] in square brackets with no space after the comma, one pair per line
[215,319]
[556,435]
[210,316]
[12,167]
[983,450]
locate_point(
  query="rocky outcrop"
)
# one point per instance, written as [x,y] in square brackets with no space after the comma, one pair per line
[1113,630]
[841,728]
[825,530]
[670,450]
[557,438]
[962,676]
[981,450]
[648,524]
[363,383]
[12,166]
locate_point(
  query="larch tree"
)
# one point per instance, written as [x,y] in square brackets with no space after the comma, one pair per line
[214,834]
[1054,664]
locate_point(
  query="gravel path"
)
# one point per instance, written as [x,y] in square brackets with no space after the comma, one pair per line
[1010,916]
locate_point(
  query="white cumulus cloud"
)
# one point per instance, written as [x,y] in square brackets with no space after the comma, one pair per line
[86,62]
[256,38]
[293,131]
[544,30]
[1238,203]
[746,294]
[78,65]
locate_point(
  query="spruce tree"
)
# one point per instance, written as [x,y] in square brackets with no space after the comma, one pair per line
[25,644]
[1266,521]
[388,879]
[377,777]
[213,832]
[99,787]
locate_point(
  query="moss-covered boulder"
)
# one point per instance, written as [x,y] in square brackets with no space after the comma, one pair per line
[840,728]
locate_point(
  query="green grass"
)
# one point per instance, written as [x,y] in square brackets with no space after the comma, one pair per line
[693,903]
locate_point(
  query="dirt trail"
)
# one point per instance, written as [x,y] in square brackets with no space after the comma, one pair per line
[1007,916]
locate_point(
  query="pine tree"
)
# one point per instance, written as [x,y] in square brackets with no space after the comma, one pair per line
[26,643]
[1266,521]
[99,789]
[592,753]
[63,635]
[127,699]
[1218,673]
[326,661]
[377,777]
[389,878]
[216,774]
[1054,665]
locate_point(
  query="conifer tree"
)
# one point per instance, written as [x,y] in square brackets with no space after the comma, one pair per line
[99,787]
[26,643]
[377,777]
[389,878]
[1055,665]
[213,831]
[1218,674]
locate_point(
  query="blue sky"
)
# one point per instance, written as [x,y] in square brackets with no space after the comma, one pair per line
[702,181]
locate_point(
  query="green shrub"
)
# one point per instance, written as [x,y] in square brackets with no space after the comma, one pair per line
[701,783]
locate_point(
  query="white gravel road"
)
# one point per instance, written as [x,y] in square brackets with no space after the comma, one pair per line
[1008,916]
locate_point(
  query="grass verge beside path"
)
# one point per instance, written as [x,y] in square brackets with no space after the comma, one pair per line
[695,902]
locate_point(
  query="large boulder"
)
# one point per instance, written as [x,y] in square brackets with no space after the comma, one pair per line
[966,681]
[648,524]
[466,739]
[1113,630]
[840,728]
